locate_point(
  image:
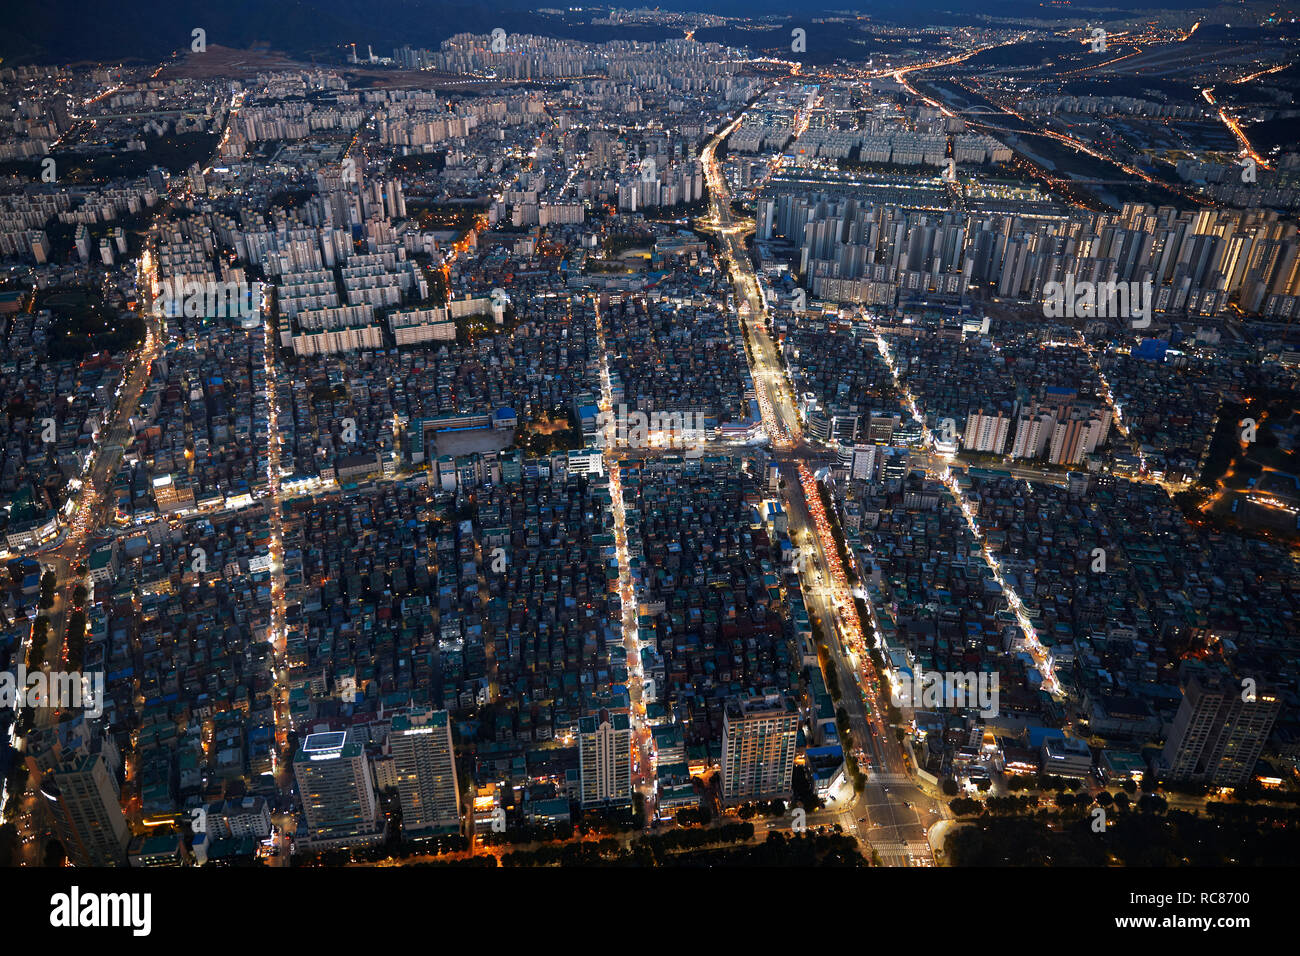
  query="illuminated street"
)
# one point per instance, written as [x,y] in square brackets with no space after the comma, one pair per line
[890,784]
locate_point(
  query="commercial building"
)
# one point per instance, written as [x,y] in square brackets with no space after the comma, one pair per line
[1066,757]
[249,817]
[338,797]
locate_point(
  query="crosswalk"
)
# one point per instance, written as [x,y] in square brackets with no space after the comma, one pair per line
[904,853]
[889,779]
[919,851]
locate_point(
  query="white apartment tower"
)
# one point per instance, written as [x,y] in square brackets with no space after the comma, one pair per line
[1034,430]
[986,432]
[605,759]
[425,765]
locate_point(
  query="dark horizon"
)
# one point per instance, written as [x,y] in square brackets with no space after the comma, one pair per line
[80,30]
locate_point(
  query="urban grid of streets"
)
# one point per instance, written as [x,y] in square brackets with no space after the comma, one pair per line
[894,815]
[891,816]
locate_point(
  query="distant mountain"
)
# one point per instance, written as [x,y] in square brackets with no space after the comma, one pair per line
[46,31]
[72,30]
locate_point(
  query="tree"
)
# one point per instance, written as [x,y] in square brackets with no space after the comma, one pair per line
[950,787]
[8,844]
[75,638]
[49,581]
[1151,803]
[36,653]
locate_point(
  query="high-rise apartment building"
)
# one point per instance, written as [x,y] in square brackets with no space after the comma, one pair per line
[1219,730]
[1080,430]
[759,736]
[425,766]
[985,432]
[1034,429]
[605,759]
[83,802]
[77,764]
